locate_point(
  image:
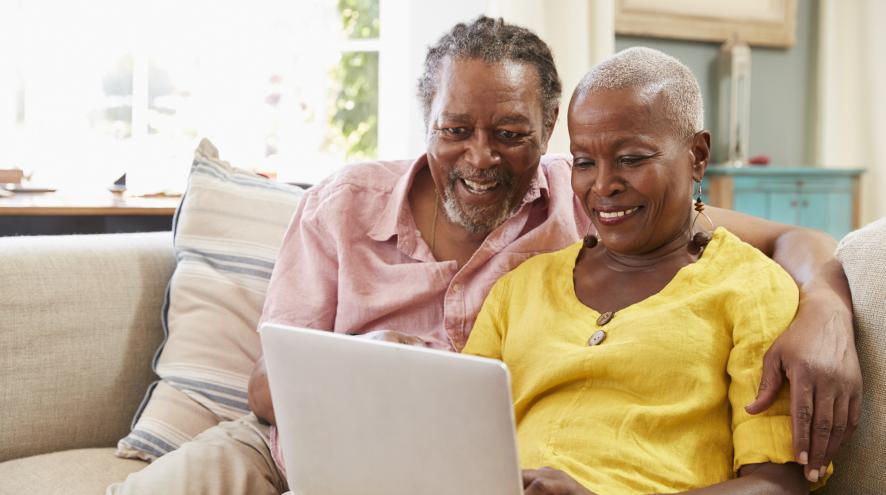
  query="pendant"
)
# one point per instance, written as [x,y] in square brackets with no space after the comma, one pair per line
[598,337]
[605,318]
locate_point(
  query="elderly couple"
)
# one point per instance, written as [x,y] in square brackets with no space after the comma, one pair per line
[646,358]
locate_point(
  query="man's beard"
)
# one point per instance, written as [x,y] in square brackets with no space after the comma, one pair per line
[480,220]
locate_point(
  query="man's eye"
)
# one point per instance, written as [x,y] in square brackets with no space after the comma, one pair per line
[455,131]
[509,135]
[581,164]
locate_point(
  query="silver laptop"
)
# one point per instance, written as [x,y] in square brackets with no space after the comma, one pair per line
[363,417]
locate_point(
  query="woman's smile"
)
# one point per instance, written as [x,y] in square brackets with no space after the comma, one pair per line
[614,215]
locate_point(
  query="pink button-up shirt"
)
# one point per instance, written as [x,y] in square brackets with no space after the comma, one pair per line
[354,261]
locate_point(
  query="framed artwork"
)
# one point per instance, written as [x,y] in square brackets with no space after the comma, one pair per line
[770,23]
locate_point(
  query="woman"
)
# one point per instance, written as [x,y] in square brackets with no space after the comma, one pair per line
[632,357]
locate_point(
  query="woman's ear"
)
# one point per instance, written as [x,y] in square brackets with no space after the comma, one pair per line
[701,153]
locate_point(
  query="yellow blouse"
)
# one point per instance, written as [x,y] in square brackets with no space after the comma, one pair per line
[658,405]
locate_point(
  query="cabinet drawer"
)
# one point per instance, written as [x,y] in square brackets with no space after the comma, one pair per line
[793,184]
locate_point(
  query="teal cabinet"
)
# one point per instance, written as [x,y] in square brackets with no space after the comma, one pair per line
[819,198]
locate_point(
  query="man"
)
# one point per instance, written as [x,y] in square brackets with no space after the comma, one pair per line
[413,248]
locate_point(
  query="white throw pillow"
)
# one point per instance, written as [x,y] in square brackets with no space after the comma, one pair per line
[227,233]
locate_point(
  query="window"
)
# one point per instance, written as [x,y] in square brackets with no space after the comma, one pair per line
[97,89]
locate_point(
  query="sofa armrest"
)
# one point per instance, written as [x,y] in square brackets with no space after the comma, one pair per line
[858,465]
[79,325]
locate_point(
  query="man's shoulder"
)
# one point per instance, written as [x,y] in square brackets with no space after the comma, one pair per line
[378,178]
[556,164]
[544,265]
[373,175]
[557,170]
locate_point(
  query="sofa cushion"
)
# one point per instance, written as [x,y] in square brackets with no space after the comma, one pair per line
[227,232]
[79,323]
[70,472]
[859,464]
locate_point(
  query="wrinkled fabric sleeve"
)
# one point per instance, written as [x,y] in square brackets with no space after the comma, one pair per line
[760,314]
[490,327]
[303,287]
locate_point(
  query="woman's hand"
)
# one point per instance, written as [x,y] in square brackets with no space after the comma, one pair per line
[548,481]
[817,354]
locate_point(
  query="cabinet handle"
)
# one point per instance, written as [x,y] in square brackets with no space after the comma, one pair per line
[793,204]
[804,204]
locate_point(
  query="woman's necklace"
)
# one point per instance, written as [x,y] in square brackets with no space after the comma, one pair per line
[619,265]
[623,264]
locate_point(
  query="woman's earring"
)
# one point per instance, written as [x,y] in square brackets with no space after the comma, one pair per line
[699,239]
[590,240]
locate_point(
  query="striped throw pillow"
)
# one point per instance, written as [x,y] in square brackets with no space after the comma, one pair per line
[227,232]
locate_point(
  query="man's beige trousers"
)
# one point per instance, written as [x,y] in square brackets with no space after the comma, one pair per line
[231,458]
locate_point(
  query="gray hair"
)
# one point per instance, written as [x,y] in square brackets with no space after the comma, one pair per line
[642,67]
[492,40]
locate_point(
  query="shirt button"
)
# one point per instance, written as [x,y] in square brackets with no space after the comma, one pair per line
[456,288]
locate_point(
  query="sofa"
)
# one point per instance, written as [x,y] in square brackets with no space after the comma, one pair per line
[80,324]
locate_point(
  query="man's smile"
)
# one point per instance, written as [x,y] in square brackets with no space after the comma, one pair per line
[480,187]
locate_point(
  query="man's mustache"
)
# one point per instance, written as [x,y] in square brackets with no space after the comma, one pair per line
[502,176]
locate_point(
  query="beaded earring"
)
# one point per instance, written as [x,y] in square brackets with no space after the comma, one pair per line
[699,239]
[589,240]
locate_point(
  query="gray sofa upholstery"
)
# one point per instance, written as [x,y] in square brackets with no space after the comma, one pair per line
[80,322]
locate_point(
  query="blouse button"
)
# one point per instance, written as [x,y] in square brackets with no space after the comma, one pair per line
[605,318]
[598,337]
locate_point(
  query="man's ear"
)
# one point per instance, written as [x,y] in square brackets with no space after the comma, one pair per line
[701,153]
[549,129]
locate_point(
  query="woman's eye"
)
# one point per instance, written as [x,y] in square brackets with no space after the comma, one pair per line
[631,160]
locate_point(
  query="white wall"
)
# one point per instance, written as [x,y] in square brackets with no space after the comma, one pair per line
[580,33]
[408,28]
[851,100]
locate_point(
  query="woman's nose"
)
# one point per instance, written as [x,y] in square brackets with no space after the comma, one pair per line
[607,182]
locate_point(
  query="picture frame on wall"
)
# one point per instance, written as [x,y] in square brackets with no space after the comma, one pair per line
[771,23]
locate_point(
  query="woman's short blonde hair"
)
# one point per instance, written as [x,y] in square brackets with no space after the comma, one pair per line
[657,72]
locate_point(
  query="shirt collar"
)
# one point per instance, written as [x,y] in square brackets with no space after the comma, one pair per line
[397,215]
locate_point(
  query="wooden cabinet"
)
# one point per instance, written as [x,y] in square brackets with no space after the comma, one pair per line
[820,198]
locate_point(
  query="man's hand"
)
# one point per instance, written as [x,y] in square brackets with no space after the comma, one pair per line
[392,336]
[260,393]
[547,481]
[817,354]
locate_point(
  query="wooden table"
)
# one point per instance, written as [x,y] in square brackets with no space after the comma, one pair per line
[84,212]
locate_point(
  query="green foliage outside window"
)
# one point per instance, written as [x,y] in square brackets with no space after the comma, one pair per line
[359,18]
[355,111]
